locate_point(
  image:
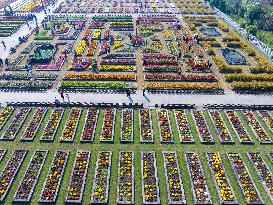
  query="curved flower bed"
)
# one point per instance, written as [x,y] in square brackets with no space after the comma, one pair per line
[173,179]
[267,118]
[223,133]
[71,125]
[183,78]
[10,171]
[244,179]
[238,127]
[88,132]
[224,188]
[127,126]
[34,124]
[2,154]
[120,77]
[52,125]
[256,127]
[146,131]
[16,124]
[198,181]
[28,183]
[54,177]
[125,187]
[78,177]
[202,127]
[183,126]
[263,172]
[150,188]
[4,115]
[100,189]
[107,132]
[165,130]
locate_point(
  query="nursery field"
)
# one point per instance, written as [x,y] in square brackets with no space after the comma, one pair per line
[90,155]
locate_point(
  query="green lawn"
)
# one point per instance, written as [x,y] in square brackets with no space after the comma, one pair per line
[136,147]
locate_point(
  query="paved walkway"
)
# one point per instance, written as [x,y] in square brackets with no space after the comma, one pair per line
[149,101]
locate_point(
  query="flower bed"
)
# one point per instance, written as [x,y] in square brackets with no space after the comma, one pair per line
[252,87]
[28,183]
[125,187]
[100,77]
[127,129]
[107,132]
[88,132]
[165,130]
[16,124]
[263,172]
[116,68]
[52,125]
[198,181]
[220,178]
[238,127]
[4,115]
[173,179]
[267,118]
[183,126]
[248,77]
[2,154]
[244,179]
[52,67]
[256,127]
[202,127]
[180,78]
[78,178]
[146,130]
[10,171]
[92,48]
[100,189]
[71,125]
[150,188]
[160,63]
[34,124]
[54,177]
[25,85]
[223,133]
[118,61]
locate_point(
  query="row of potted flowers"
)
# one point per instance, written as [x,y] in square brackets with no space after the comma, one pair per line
[256,127]
[78,177]
[127,129]
[122,26]
[220,126]
[119,61]
[197,177]
[267,118]
[10,171]
[71,125]
[244,179]
[183,126]
[28,183]
[165,130]
[225,191]
[88,132]
[202,127]
[52,125]
[117,68]
[173,179]
[184,78]
[100,189]
[263,172]
[90,76]
[25,85]
[4,115]
[91,85]
[54,177]
[160,63]
[125,187]
[150,187]
[107,132]
[146,130]
[16,124]
[34,124]
[27,76]
[238,127]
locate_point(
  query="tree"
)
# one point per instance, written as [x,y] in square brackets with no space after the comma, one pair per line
[234,6]
[252,29]
[253,13]
[220,4]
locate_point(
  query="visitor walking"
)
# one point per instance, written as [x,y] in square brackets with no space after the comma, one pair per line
[1,63]
[143,92]
[4,45]
[62,95]
[6,61]
[67,97]
[128,93]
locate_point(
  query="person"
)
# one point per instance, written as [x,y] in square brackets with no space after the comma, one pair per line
[128,93]
[143,93]
[67,97]
[4,44]
[6,61]
[1,62]
[179,55]
[62,95]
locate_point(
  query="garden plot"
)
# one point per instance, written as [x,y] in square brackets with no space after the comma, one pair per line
[267,118]
[127,129]
[146,130]
[183,126]
[54,177]
[75,189]
[125,187]
[28,183]
[166,135]
[90,123]
[100,189]
[4,116]
[107,132]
